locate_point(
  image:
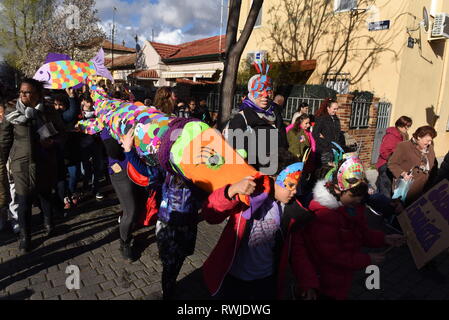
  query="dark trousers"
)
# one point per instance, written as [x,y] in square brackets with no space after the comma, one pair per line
[25,203]
[237,289]
[384,181]
[93,170]
[132,200]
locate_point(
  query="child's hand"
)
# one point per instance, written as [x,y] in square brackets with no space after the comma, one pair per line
[309,295]
[395,240]
[128,140]
[243,187]
[376,258]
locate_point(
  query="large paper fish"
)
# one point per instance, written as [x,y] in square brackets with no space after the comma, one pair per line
[60,72]
[186,147]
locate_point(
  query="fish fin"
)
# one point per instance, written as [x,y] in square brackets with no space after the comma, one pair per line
[53,57]
[98,62]
[78,86]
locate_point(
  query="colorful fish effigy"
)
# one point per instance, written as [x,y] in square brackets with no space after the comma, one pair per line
[196,151]
[61,72]
[185,147]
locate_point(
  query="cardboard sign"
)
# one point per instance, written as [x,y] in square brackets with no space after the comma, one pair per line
[426,224]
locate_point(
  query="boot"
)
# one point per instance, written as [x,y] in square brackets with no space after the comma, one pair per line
[49,227]
[126,250]
[24,241]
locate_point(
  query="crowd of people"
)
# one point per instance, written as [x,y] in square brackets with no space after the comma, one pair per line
[312,219]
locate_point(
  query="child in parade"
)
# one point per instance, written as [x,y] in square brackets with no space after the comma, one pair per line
[335,237]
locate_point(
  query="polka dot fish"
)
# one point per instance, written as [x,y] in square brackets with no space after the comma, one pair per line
[60,72]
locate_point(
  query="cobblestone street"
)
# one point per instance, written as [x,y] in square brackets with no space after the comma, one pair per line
[91,241]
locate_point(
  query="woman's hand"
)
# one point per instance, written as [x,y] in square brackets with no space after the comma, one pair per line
[406,176]
[309,294]
[243,187]
[128,140]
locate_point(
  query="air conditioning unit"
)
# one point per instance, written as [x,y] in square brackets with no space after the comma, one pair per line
[440,28]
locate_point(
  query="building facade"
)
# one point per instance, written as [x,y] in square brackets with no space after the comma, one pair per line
[379,46]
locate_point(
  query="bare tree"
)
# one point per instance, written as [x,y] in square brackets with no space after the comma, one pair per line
[33,28]
[300,28]
[234,50]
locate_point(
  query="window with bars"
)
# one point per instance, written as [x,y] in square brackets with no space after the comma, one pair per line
[360,114]
[344,5]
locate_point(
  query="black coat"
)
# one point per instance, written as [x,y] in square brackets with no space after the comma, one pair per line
[260,154]
[329,127]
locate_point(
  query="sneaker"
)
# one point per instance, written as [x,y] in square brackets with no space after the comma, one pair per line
[15,226]
[67,203]
[99,196]
[75,199]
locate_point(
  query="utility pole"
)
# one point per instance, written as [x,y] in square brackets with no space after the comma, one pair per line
[113,31]
[221,26]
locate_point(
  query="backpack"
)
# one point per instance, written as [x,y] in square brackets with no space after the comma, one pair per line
[225,131]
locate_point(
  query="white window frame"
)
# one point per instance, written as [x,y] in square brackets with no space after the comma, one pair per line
[337,5]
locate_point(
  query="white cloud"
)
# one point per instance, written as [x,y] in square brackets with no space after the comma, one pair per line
[171,21]
[170,37]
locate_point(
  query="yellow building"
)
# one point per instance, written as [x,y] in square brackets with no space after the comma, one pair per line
[381,46]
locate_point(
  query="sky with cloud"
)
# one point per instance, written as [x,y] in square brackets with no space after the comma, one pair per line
[171,21]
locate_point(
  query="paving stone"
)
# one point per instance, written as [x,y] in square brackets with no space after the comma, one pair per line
[137,294]
[108,285]
[89,291]
[94,280]
[120,290]
[41,286]
[54,292]
[105,295]
[69,296]
[125,296]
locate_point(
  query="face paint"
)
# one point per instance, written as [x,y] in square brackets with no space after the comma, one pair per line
[260,86]
[290,176]
[351,169]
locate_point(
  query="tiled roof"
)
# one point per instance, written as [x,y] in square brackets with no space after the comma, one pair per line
[195,83]
[165,50]
[151,73]
[191,49]
[201,47]
[122,61]
[117,47]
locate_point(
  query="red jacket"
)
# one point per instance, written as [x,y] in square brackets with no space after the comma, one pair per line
[389,142]
[215,210]
[334,240]
[295,253]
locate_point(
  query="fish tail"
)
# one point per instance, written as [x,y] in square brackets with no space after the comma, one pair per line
[98,62]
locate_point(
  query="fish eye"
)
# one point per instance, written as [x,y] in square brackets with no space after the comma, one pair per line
[41,72]
[215,161]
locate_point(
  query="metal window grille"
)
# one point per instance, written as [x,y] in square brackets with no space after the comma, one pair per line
[360,114]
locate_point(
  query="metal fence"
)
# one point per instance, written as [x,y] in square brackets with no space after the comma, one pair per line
[293,103]
[360,114]
[213,101]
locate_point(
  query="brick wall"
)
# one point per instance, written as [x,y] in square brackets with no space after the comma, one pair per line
[364,137]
